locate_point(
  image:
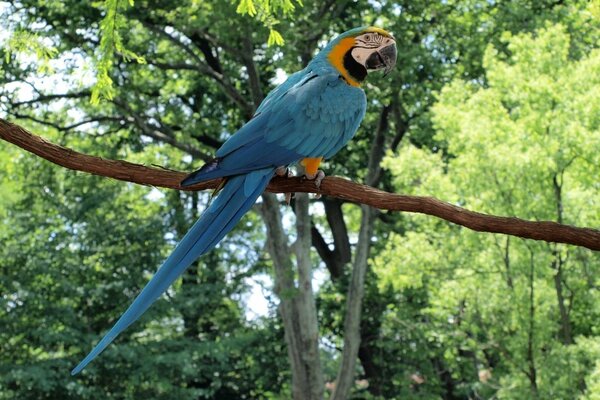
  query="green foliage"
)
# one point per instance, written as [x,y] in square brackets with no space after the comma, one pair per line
[114,22]
[26,43]
[265,11]
[75,250]
[111,41]
[524,144]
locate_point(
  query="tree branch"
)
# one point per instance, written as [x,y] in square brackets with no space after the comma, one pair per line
[253,75]
[203,68]
[49,97]
[160,133]
[331,186]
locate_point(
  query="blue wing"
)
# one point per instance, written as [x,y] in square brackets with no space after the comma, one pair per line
[236,198]
[311,115]
[276,94]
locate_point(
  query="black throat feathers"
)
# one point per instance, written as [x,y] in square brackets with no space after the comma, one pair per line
[357,71]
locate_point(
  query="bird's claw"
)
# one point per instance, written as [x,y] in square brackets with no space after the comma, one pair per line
[317,178]
[284,172]
[287,173]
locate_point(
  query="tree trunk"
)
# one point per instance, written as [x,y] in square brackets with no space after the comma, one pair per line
[532,371]
[345,378]
[509,280]
[565,322]
[297,306]
[557,265]
[305,301]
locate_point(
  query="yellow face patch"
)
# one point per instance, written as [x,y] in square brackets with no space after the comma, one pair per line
[336,58]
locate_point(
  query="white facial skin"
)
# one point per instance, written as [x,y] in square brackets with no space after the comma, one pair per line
[366,44]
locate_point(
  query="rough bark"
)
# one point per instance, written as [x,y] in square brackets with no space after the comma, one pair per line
[331,186]
[305,300]
[304,366]
[345,378]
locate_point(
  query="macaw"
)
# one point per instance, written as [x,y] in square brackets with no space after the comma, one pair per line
[306,119]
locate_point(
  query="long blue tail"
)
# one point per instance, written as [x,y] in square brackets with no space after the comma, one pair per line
[236,198]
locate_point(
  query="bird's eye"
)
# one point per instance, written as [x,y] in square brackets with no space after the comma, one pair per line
[368,38]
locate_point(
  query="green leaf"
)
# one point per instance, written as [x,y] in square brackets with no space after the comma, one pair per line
[275,38]
[246,7]
[111,42]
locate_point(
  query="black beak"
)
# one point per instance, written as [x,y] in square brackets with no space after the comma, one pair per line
[383,59]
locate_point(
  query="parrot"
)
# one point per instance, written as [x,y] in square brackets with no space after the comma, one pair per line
[304,120]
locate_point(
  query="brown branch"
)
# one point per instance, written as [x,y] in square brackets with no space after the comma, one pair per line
[331,186]
[66,128]
[49,97]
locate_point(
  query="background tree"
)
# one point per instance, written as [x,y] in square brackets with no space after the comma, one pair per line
[514,311]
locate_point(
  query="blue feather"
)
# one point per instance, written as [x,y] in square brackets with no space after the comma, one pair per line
[236,198]
[312,114]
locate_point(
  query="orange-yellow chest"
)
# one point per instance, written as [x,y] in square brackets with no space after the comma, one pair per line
[336,58]
[311,164]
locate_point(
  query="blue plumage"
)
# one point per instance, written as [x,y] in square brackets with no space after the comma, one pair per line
[312,114]
[236,198]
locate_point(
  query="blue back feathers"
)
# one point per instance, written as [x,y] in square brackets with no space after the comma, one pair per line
[312,114]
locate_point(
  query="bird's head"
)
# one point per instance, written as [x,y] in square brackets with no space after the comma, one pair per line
[358,51]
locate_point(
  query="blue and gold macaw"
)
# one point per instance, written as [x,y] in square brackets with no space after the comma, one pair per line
[306,119]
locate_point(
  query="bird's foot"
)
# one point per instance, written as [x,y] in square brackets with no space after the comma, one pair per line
[283,172]
[287,173]
[317,178]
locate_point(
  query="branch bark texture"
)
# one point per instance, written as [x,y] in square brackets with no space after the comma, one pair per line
[332,186]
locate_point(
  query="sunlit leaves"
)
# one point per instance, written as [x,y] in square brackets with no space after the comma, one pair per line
[111,42]
[246,7]
[524,143]
[27,43]
[275,38]
[266,12]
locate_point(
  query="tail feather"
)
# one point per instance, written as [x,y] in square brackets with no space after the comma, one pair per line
[236,198]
